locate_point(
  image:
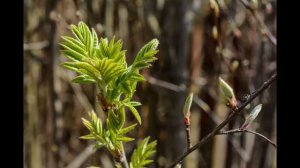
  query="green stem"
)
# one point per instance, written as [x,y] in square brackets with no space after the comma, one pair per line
[123,161]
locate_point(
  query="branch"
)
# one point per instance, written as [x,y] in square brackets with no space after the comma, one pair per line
[249,131]
[36,45]
[82,157]
[231,116]
[204,106]
[170,86]
[124,162]
[188,136]
[264,28]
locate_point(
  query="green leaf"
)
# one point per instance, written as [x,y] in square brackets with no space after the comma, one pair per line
[146,162]
[125,139]
[82,65]
[140,156]
[146,55]
[88,137]
[252,116]
[83,79]
[135,113]
[125,86]
[109,69]
[87,124]
[187,105]
[127,129]
[136,77]
[135,103]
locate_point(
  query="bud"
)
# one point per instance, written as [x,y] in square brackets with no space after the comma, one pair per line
[215,7]
[269,8]
[253,114]
[228,94]
[234,65]
[215,32]
[254,4]
[187,105]
[186,109]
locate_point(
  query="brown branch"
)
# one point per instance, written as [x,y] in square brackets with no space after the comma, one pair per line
[188,136]
[124,162]
[35,46]
[170,86]
[204,106]
[231,116]
[82,157]
[264,29]
[249,131]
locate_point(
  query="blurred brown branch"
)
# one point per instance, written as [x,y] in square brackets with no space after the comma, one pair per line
[36,45]
[82,157]
[264,29]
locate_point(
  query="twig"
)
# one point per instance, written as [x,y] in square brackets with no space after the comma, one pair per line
[204,106]
[165,84]
[124,162]
[249,131]
[201,104]
[83,156]
[36,45]
[231,116]
[82,98]
[264,28]
[188,136]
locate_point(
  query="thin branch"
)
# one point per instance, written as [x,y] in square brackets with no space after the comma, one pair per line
[124,162]
[36,45]
[204,106]
[82,157]
[264,29]
[82,98]
[231,116]
[188,136]
[249,131]
[170,86]
[165,84]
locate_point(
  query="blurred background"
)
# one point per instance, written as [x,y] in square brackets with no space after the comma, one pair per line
[200,40]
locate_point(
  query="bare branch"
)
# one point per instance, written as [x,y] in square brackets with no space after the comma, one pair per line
[36,45]
[82,157]
[231,116]
[170,86]
[264,29]
[249,131]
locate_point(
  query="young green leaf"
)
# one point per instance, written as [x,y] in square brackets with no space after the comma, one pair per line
[124,139]
[83,79]
[140,156]
[127,129]
[253,114]
[187,105]
[228,93]
[88,137]
[146,55]
[135,113]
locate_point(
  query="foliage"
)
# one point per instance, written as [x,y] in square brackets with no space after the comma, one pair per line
[143,151]
[102,62]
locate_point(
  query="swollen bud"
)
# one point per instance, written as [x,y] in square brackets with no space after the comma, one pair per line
[228,94]
[254,4]
[215,7]
[251,117]
[215,32]
[186,109]
[187,105]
